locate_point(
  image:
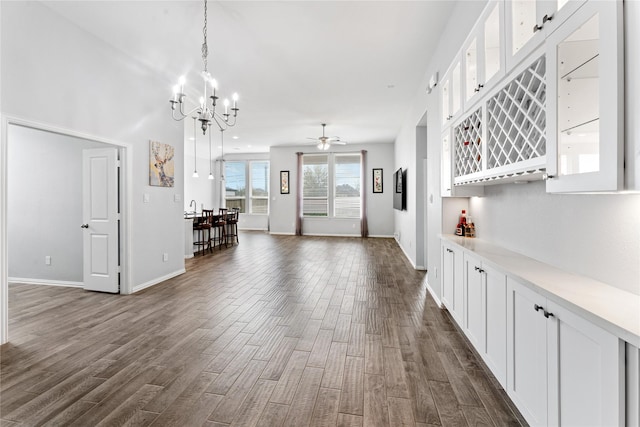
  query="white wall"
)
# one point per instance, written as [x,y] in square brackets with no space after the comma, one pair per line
[379,205]
[55,73]
[410,154]
[586,234]
[45,205]
[200,189]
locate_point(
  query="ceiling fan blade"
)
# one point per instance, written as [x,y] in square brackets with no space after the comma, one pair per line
[313,139]
[339,142]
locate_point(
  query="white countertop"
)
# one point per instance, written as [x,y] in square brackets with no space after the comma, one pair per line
[608,307]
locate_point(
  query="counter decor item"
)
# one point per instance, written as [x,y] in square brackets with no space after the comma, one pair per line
[465,226]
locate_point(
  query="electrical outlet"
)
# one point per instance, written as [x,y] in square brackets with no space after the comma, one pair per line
[165,257]
[47,260]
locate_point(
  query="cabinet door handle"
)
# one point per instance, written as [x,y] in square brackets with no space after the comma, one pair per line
[546,176]
[547,314]
[546,18]
[477,89]
[449,250]
[84,226]
[537,28]
[537,307]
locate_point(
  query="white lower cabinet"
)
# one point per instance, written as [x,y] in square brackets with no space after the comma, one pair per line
[485,319]
[562,370]
[452,279]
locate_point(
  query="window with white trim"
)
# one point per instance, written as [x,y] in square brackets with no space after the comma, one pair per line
[253,198]
[331,185]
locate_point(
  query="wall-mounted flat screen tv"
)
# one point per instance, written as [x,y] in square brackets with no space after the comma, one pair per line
[400,190]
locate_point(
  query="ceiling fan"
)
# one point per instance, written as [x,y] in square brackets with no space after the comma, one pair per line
[324,142]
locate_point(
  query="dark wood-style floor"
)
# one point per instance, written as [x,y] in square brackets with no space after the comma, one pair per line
[279,330]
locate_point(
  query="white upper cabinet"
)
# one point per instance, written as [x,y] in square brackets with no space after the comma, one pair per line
[586,89]
[451,93]
[529,22]
[483,53]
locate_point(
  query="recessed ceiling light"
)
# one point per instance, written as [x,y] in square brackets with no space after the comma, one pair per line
[249,146]
[191,139]
[236,148]
[235,137]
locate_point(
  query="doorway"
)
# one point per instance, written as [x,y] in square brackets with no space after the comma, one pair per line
[42,201]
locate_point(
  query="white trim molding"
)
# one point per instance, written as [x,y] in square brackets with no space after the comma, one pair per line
[157,280]
[45,282]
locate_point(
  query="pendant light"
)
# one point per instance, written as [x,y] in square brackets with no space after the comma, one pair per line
[222,154]
[210,158]
[195,156]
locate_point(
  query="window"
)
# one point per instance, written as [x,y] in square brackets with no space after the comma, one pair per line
[315,186]
[259,187]
[236,185]
[347,182]
[254,199]
[331,185]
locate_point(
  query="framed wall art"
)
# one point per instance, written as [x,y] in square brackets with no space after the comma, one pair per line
[284,182]
[377,180]
[161,165]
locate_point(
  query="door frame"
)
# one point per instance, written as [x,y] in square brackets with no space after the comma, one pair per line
[125,150]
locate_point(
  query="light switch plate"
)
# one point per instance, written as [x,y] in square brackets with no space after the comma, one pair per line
[177,198]
[146,198]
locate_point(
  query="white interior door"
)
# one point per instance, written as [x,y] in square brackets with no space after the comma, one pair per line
[100,216]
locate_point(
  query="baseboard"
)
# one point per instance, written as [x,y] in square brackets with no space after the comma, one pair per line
[381,236]
[275,233]
[46,282]
[433,295]
[405,254]
[157,280]
[253,229]
[330,235]
[188,256]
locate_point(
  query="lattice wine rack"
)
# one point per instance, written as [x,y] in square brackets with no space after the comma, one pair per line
[516,119]
[468,145]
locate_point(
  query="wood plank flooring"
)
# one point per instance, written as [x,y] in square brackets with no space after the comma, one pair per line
[275,331]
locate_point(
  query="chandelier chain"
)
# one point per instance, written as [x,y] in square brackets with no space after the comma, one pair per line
[205,48]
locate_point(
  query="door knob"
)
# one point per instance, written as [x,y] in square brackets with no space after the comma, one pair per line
[84,226]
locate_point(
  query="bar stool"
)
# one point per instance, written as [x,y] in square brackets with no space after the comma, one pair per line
[217,236]
[203,228]
[232,225]
[222,223]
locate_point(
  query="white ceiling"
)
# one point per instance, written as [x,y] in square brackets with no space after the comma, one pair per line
[355,65]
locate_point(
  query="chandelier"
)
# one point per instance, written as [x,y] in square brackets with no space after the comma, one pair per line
[205,112]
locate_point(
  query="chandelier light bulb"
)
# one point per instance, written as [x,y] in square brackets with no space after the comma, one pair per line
[182,80]
[226,105]
[201,102]
[195,174]
[210,176]
[214,83]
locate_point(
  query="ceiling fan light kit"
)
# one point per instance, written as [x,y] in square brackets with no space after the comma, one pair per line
[205,112]
[324,142]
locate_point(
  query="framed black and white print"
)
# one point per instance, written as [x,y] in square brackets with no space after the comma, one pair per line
[377,180]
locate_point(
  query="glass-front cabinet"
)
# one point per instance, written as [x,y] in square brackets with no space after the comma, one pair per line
[529,22]
[586,83]
[482,54]
[451,93]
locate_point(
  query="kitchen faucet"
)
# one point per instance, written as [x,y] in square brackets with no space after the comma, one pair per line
[195,206]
